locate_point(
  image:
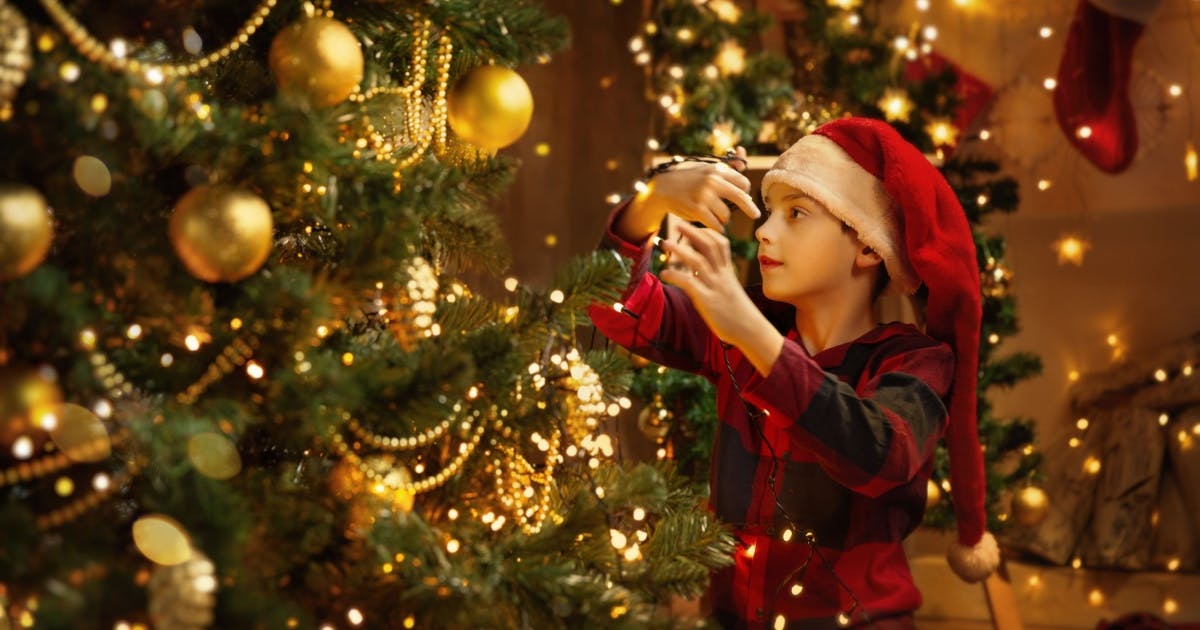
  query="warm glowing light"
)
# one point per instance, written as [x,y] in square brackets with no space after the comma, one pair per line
[1049,83]
[1191,163]
[1082,424]
[749,552]
[1073,375]
[895,104]
[797,589]
[1092,465]
[780,622]
[22,447]
[557,296]
[355,616]
[1112,340]
[254,370]
[1044,184]
[1163,419]
[942,132]
[452,546]
[1076,562]
[1160,375]
[1045,32]
[192,342]
[1071,249]
[1173,564]
[134,331]
[1095,597]
[1084,132]
[1175,90]
[1170,606]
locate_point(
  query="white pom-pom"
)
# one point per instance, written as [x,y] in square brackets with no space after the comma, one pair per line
[974,563]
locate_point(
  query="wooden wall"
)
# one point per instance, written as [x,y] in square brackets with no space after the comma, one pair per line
[589,109]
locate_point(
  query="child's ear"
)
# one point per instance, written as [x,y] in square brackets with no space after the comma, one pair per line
[867,257]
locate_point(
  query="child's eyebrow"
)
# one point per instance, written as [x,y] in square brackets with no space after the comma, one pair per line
[804,197]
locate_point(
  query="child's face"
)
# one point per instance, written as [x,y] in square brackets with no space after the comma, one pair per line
[816,255]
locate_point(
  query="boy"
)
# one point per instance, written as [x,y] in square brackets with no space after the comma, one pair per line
[828,420]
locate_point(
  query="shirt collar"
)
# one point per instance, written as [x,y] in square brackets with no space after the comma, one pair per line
[835,355]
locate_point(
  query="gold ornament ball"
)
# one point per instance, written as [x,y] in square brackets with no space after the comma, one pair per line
[221,234]
[1030,506]
[318,59]
[346,481]
[652,424]
[490,107]
[933,494]
[26,230]
[25,396]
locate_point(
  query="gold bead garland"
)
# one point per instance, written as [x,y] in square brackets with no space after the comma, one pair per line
[423,136]
[73,510]
[233,355]
[406,443]
[50,464]
[113,380]
[430,482]
[96,52]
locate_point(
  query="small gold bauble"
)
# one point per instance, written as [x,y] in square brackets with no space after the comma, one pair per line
[490,107]
[25,398]
[933,494]
[652,423]
[346,481]
[26,230]
[318,59]
[1030,506]
[221,234]
[392,483]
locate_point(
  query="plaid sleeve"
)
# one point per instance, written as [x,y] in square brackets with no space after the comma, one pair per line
[873,439]
[651,319]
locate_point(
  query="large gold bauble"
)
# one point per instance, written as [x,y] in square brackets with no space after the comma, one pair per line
[317,59]
[490,107]
[221,234]
[26,230]
[933,494]
[1030,506]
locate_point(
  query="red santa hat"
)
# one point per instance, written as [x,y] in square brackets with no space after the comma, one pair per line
[872,179]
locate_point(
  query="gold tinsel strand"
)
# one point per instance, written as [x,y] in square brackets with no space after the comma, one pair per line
[96,52]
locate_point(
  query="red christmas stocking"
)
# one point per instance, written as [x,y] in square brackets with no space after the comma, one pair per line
[1091,100]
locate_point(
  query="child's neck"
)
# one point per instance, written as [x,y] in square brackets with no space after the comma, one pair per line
[827,325]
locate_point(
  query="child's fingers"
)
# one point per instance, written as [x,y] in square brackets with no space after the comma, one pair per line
[708,245]
[684,254]
[716,206]
[738,196]
[682,278]
[732,176]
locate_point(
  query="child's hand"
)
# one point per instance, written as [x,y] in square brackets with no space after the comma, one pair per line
[706,273]
[696,191]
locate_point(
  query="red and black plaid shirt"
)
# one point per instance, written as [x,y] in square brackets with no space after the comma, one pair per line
[852,430]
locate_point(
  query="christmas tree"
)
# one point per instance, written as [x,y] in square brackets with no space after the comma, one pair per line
[242,381]
[842,61]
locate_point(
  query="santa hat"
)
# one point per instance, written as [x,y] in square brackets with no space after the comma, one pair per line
[872,179]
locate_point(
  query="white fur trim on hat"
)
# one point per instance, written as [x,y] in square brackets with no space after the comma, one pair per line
[974,563]
[818,167]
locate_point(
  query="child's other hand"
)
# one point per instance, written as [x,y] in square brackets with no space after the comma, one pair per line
[706,273]
[696,191]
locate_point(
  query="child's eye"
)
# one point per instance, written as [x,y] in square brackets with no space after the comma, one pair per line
[796,212]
